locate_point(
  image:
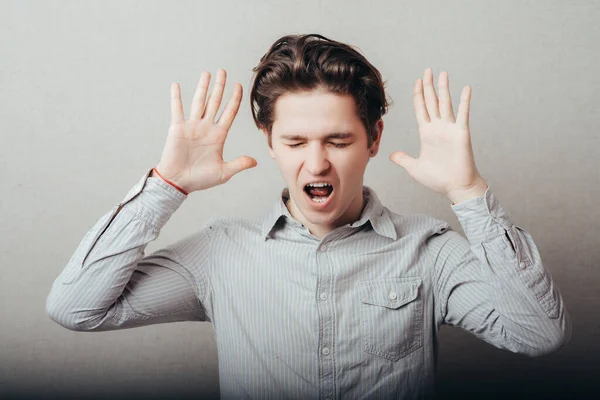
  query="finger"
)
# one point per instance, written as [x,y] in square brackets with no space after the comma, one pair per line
[214,101]
[237,165]
[446,110]
[404,160]
[228,115]
[419,103]
[198,102]
[464,107]
[176,107]
[430,98]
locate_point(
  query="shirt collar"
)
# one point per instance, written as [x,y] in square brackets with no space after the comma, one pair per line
[373,212]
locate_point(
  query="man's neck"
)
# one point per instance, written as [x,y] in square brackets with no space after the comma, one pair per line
[351,215]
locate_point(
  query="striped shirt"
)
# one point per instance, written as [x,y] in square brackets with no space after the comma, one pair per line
[353,315]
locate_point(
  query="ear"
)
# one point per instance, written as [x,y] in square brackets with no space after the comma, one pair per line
[375,146]
[271,152]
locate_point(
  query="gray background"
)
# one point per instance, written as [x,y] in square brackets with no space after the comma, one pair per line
[84,111]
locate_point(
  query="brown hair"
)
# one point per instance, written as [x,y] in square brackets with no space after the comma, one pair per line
[297,63]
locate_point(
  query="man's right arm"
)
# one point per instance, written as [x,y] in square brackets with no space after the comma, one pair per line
[109,284]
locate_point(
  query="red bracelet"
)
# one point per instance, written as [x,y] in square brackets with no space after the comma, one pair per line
[169,182]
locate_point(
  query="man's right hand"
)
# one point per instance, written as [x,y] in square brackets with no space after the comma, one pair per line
[193,154]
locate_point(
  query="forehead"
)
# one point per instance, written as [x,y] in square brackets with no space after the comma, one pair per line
[314,114]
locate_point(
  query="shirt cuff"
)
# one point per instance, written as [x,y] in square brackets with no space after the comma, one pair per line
[482,218]
[153,200]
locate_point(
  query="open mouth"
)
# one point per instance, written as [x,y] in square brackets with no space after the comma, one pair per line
[318,192]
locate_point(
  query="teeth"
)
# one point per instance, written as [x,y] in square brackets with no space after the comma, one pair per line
[318,184]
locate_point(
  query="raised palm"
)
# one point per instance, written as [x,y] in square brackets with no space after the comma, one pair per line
[193,154]
[446,163]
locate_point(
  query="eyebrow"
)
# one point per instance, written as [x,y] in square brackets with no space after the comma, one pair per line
[344,135]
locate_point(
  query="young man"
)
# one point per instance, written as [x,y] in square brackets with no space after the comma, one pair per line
[330,294]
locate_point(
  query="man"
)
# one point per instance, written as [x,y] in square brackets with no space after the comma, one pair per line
[330,294]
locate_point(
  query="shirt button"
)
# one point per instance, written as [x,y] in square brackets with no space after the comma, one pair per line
[325,350]
[393,296]
[323,247]
[323,296]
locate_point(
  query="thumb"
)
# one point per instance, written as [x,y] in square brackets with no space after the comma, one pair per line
[237,165]
[403,160]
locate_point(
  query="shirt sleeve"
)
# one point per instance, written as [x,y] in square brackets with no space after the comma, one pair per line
[494,284]
[109,284]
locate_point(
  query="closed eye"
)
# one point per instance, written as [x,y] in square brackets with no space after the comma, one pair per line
[338,145]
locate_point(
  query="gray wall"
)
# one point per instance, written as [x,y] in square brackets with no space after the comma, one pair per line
[84,110]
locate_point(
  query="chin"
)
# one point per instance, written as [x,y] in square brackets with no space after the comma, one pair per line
[327,217]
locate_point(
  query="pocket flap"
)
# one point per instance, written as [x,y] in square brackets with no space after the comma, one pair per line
[389,292]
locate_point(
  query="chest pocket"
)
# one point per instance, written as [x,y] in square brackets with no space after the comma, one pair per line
[391,313]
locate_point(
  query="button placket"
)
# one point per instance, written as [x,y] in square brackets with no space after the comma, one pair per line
[326,321]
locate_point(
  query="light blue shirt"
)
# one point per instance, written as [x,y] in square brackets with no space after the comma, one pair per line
[353,315]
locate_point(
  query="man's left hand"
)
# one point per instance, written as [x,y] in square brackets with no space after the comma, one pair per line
[446,163]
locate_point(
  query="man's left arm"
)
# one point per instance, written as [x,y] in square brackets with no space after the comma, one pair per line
[494,284]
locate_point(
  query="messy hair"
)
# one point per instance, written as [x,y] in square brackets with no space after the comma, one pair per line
[296,63]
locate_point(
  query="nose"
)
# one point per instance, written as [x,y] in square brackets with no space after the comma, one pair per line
[316,162]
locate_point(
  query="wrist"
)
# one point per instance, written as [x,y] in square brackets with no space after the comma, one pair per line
[156,174]
[476,190]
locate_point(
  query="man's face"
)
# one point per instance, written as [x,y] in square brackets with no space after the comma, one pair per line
[317,137]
